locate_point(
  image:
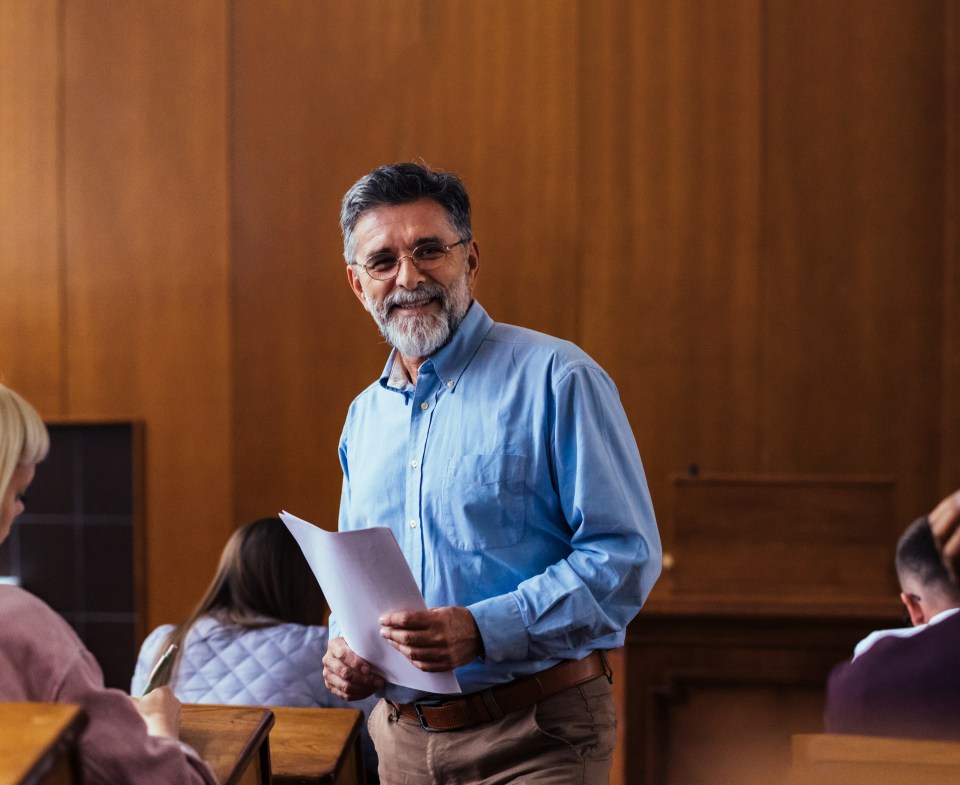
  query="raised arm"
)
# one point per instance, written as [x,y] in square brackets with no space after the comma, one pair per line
[945,524]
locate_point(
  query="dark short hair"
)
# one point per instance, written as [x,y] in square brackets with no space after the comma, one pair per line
[402,183]
[918,555]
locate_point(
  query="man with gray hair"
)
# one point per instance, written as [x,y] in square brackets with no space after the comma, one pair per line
[503,462]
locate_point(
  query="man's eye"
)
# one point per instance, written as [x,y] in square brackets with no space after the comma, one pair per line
[428,252]
[381,263]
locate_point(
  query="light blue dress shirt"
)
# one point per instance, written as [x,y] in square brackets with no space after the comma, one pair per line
[512,481]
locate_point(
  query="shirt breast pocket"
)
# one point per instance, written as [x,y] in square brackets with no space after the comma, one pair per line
[483,501]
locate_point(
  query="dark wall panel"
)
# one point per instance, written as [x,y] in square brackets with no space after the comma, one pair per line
[78,546]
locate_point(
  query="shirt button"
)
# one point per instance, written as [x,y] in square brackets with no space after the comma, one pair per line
[414,463]
[449,382]
[413,523]
[424,405]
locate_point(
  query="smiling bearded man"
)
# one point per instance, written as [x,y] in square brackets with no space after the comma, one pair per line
[502,461]
[421,334]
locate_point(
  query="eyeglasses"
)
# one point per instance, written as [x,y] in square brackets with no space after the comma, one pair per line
[425,257]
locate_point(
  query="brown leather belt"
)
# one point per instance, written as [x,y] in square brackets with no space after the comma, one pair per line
[493,704]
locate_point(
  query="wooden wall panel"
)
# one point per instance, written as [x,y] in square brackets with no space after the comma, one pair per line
[669,235]
[852,263]
[147,273]
[31,306]
[780,540]
[745,210]
[487,90]
[950,422]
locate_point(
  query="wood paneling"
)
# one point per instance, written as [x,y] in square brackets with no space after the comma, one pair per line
[715,697]
[147,265]
[310,120]
[853,253]
[670,232]
[745,210]
[950,424]
[762,539]
[738,208]
[31,306]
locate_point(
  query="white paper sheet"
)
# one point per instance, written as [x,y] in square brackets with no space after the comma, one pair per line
[363,574]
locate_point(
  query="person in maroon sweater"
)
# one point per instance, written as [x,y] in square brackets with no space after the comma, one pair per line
[906,687]
[126,740]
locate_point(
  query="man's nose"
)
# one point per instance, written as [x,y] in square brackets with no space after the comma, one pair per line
[409,275]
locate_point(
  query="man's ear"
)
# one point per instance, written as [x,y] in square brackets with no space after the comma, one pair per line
[914,608]
[353,278]
[473,263]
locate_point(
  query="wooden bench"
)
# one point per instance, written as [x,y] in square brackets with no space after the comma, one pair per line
[836,759]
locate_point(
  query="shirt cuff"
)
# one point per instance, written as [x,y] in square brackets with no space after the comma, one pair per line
[502,628]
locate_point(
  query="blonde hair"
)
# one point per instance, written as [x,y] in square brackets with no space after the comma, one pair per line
[23,436]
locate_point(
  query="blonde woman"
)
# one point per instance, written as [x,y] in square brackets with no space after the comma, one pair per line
[126,740]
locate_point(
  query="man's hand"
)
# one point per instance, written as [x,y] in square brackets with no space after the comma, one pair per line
[160,710]
[348,675]
[436,640]
[945,525]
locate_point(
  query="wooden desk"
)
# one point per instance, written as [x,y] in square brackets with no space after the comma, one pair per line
[38,745]
[316,747]
[835,759]
[233,740]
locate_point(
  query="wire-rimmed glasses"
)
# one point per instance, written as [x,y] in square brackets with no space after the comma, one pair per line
[425,257]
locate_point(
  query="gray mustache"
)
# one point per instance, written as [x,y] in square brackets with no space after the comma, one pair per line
[421,294]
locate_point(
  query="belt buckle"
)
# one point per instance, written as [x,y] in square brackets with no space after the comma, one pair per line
[423,720]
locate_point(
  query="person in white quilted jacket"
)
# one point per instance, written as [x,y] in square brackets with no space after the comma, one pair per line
[257,636]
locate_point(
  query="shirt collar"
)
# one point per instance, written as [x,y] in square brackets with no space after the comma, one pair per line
[394,377]
[450,362]
[943,615]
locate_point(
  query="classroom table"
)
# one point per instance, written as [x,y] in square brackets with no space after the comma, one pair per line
[233,740]
[38,745]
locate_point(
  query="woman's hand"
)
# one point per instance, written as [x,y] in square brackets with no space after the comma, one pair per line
[161,711]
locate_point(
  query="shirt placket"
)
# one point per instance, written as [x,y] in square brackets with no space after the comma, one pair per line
[421,415]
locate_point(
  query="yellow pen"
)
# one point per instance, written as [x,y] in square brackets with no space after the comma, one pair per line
[163,664]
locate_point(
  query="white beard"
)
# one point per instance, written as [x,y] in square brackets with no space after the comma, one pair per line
[423,334]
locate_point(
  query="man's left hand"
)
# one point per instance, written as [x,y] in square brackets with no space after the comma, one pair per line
[435,640]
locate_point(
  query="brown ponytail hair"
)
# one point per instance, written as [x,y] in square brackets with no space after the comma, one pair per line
[263,580]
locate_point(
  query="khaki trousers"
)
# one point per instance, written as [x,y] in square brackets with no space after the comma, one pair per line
[564,739]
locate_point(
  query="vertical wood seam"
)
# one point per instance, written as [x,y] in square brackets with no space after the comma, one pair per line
[950,335]
[61,198]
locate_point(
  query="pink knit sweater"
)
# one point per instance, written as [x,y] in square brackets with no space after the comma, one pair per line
[42,659]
